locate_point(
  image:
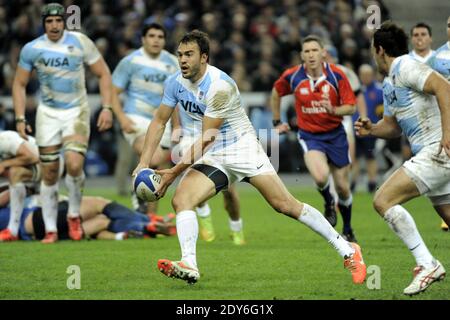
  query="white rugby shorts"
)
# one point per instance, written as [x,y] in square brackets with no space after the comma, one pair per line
[53,124]
[245,158]
[430,171]
[141,126]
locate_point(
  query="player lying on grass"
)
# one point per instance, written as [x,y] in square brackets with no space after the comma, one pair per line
[101,219]
[19,163]
[227,151]
[417,103]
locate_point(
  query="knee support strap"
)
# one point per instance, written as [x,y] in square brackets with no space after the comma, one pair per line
[49,156]
[76,146]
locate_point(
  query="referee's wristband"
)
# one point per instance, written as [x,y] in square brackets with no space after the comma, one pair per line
[276,122]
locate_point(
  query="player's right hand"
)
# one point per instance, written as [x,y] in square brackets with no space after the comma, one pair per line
[127,125]
[22,128]
[282,128]
[363,127]
[138,168]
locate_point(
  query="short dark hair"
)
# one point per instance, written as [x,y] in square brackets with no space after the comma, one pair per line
[392,38]
[311,38]
[153,25]
[199,37]
[422,25]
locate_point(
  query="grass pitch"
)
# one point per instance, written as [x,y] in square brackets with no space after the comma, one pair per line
[283,259]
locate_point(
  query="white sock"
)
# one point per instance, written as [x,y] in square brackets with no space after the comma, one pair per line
[346,202]
[317,222]
[120,235]
[187,230]
[17,194]
[204,211]
[75,187]
[236,226]
[49,201]
[401,222]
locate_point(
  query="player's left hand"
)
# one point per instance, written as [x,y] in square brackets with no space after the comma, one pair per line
[105,120]
[445,144]
[168,176]
[328,107]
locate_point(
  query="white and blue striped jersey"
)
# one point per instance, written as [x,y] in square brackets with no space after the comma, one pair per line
[60,67]
[10,142]
[441,60]
[417,113]
[142,77]
[425,59]
[215,95]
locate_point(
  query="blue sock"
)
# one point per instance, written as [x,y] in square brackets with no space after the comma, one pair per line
[345,207]
[115,210]
[126,225]
[326,194]
[124,219]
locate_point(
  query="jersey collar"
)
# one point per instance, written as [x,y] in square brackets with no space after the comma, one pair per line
[59,41]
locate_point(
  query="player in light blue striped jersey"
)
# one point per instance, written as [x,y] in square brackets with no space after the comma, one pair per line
[140,77]
[441,63]
[62,119]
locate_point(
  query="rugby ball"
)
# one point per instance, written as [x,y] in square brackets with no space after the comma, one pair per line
[145,183]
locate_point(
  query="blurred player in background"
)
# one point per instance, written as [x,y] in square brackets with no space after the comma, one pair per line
[331,56]
[421,40]
[417,102]
[322,96]
[365,146]
[19,160]
[441,63]
[141,75]
[227,151]
[63,113]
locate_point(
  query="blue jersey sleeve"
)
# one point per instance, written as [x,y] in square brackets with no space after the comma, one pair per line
[122,74]
[170,98]
[26,58]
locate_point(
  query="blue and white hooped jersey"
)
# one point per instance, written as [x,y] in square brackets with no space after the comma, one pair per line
[441,60]
[417,113]
[60,67]
[142,78]
[215,95]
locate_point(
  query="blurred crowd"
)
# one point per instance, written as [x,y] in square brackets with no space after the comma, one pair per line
[252,40]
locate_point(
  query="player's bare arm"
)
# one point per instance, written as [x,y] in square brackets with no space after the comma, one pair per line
[386,128]
[275,103]
[101,70]
[438,86]
[343,110]
[177,129]
[21,80]
[210,131]
[361,105]
[153,136]
[24,157]
[125,122]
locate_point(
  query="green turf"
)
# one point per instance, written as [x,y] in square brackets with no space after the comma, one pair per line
[282,260]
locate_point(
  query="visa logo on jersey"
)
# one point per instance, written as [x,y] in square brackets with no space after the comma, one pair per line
[155,77]
[55,62]
[189,106]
